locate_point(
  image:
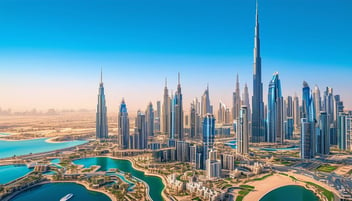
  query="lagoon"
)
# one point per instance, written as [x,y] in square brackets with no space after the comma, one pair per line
[34,146]
[290,193]
[155,183]
[12,172]
[55,191]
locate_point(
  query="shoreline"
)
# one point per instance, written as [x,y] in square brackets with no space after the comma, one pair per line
[11,140]
[264,187]
[163,195]
[86,186]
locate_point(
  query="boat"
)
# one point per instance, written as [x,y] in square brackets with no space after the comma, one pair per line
[67,197]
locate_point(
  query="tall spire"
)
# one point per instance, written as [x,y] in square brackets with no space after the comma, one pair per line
[165,82]
[179,78]
[237,82]
[101,75]
[258,130]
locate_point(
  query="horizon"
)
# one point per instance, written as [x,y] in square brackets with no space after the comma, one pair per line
[52,59]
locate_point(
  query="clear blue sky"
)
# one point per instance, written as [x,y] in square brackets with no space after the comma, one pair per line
[51,51]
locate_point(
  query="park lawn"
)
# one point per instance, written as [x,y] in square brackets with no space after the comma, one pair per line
[327,168]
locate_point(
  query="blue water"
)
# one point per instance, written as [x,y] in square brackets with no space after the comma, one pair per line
[232,144]
[55,161]
[55,191]
[131,185]
[280,149]
[290,193]
[155,183]
[11,172]
[23,147]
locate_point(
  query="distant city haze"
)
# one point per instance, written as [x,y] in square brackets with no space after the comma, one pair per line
[51,52]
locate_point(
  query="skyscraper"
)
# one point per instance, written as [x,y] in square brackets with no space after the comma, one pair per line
[257,98]
[205,103]
[323,139]
[243,131]
[149,113]
[307,150]
[222,113]
[245,101]
[192,124]
[275,121]
[157,118]
[317,102]
[329,107]
[141,131]
[123,128]
[308,135]
[236,100]
[178,109]
[296,114]
[208,135]
[101,117]
[166,111]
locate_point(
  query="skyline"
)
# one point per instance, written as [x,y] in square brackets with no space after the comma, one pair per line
[230,48]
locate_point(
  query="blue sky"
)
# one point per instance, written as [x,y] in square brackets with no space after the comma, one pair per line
[51,51]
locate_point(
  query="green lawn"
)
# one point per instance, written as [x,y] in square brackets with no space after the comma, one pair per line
[326,168]
[326,193]
[245,190]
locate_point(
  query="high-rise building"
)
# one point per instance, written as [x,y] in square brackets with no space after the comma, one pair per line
[208,135]
[257,98]
[157,118]
[166,111]
[178,113]
[307,150]
[213,166]
[342,131]
[329,107]
[182,151]
[205,103]
[289,106]
[149,113]
[317,102]
[236,100]
[296,115]
[227,161]
[243,131]
[245,101]
[308,135]
[141,131]
[275,120]
[193,154]
[101,116]
[195,120]
[123,126]
[222,113]
[289,128]
[323,139]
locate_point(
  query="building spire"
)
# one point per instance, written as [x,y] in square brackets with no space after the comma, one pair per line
[237,82]
[101,75]
[165,82]
[179,78]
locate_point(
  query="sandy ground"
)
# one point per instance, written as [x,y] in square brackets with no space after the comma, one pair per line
[276,181]
[271,183]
